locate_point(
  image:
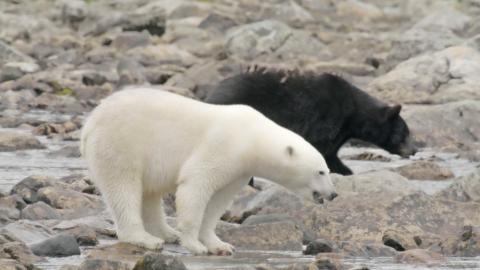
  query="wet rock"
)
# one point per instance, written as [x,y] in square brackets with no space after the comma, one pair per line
[275,40]
[57,246]
[103,265]
[39,210]
[127,40]
[319,246]
[154,261]
[424,170]
[420,256]
[398,240]
[69,151]
[265,236]
[439,77]
[13,141]
[28,187]
[452,125]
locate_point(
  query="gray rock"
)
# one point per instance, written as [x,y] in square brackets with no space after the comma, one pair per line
[465,189]
[452,125]
[265,236]
[13,248]
[39,210]
[445,19]
[13,141]
[130,72]
[84,234]
[217,23]
[16,99]
[127,40]
[57,246]
[153,261]
[319,246]
[273,40]
[153,21]
[15,70]
[444,76]
[258,219]
[28,231]
[73,11]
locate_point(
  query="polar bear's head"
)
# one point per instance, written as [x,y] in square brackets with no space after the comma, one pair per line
[305,172]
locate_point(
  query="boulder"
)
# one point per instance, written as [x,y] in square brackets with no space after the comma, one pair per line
[28,231]
[28,187]
[58,246]
[464,189]
[14,141]
[13,248]
[102,264]
[420,256]
[451,126]
[437,77]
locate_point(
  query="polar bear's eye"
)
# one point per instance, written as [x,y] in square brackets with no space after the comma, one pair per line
[321,172]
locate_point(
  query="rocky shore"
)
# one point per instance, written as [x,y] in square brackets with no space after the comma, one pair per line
[58,59]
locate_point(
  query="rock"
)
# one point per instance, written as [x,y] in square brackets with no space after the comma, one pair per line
[465,189]
[398,240]
[452,125]
[13,248]
[85,235]
[27,231]
[10,54]
[327,262]
[122,252]
[153,261]
[15,70]
[130,72]
[368,156]
[73,11]
[319,246]
[144,18]
[39,210]
[93,78]
[103,265]
[424,170]
[16,100]
[28,187]
[127,40]
[217,23]
[265,236]
[57,246]
[80,183]
[259,219]
[446,19]
[69,151]
[71,204]
[420,256]
[357,9]
[10,207]
[439,77]
[366,249]
[14,141]
[274,40]
[289,12]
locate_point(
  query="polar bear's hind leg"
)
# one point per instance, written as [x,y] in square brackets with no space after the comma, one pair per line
[154,219]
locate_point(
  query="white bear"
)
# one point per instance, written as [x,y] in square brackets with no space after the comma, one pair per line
[141,144]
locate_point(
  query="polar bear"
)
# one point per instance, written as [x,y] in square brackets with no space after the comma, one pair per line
[140,144]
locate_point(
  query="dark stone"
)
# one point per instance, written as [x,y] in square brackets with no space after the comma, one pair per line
[318,246]
[154,261]
[57,246]
[93,79]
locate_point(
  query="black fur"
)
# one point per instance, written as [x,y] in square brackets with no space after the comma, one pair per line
[325,109]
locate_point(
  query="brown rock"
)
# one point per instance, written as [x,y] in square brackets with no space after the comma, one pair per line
[424,170]
[420,256]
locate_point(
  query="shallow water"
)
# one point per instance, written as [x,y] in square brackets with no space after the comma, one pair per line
[14,166]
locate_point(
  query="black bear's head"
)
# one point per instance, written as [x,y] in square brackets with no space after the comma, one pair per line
[387,129]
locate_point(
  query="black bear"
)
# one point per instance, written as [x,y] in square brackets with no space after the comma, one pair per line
[325,109]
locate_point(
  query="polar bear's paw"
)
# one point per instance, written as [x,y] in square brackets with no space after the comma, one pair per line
[144,240]
[220,248]
[171,236]
[194,246]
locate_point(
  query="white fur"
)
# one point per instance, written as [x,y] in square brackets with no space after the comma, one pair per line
[141,144]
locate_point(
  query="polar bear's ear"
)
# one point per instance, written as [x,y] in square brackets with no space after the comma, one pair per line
[290,151]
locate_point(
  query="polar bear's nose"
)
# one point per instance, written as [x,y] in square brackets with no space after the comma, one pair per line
[332,196]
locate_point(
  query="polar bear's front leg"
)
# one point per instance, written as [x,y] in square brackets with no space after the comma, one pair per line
[215,209]
[155,221]
[191,200]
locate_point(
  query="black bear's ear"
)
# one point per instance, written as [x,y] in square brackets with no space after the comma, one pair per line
[290,151]
[388,112]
